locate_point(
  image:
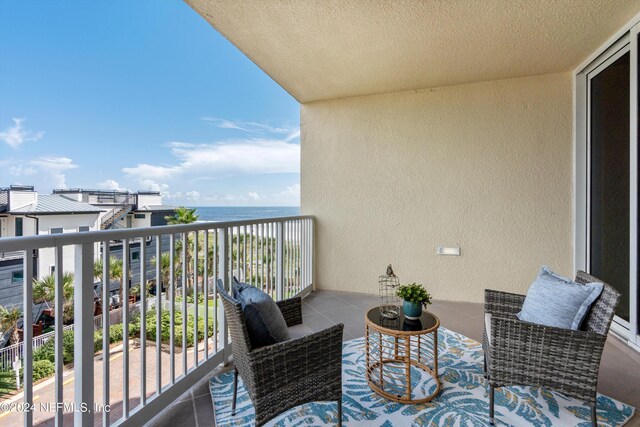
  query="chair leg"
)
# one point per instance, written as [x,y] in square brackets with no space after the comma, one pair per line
[340,412]
[491,393]
[235,391]
[594,415]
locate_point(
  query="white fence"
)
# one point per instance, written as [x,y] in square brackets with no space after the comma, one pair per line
[188,338]
[9,353]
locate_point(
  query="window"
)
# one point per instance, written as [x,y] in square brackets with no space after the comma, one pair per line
[83,228]
[52,269]
[19,227]
[17,276]
[135,255]
[56,231]
[139,216]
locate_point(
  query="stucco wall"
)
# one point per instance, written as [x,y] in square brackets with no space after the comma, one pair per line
[487,166]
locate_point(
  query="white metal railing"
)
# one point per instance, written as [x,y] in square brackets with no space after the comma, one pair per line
[14,351]
[274,254]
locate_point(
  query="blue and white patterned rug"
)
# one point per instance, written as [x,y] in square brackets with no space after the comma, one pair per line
[463,399]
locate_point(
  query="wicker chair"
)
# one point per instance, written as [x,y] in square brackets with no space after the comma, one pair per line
[523,353]
[287,374]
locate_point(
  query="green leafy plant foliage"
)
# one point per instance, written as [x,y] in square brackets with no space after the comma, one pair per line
[7,382]
[42,369]
[414,293]
[48,350]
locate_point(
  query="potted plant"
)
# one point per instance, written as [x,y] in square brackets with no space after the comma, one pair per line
[415,297]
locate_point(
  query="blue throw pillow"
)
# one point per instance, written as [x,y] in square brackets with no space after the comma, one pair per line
[554,300]
[265,322]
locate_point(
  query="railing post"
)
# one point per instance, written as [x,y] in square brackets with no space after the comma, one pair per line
[59,331]
[223,248]
[83,335]
[311,254]
[27,336]
[279,261]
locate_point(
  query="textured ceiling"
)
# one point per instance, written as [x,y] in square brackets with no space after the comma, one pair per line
[327,49]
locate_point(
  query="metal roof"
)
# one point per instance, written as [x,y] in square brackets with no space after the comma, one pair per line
[50,204]
[157,208]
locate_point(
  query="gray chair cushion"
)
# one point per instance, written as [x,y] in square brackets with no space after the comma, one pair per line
[264,320]
[554,300]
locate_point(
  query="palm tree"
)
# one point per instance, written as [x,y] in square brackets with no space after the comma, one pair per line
[9,318]
[165,271]
[44,290]
[115,272]
[182,215]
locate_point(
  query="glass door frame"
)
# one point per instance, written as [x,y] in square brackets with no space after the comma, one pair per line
[634,121]
[627,42]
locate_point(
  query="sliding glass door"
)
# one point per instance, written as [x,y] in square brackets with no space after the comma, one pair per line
[609,175]
[606,164]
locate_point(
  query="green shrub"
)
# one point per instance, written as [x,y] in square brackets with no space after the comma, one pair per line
[115,333]
[134,328]
[7,382]
[42,369]
[166,327]
[200,297]
[97,340]
[48,350]
[45,352]
[67,346]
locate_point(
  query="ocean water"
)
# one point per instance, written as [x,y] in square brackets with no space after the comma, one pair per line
[236,213]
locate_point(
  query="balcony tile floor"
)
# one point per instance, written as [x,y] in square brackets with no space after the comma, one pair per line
[619,373]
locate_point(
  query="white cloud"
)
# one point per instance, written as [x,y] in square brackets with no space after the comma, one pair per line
[267,150]
[54,168]
[244,157]
[110,184]
[291,191]
[16,135]
[289,196]
[151,185]
[22,170]
[152,172]
[247,126]
[293,135]
[45,173]
[193,195]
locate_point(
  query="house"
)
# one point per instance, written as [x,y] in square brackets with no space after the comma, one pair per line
[24,212]
[123,209]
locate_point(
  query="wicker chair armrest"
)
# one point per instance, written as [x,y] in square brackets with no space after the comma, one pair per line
[503,304]
[288,363]
[531,354]
[291,310]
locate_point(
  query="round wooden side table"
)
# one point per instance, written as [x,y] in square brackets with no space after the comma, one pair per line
[393,347]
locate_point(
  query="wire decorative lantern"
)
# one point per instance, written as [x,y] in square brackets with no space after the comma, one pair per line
[389,301]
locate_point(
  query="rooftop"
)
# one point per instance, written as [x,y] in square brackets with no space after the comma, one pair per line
[53,204]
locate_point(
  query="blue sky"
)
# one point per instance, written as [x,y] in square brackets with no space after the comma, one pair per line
[142,94]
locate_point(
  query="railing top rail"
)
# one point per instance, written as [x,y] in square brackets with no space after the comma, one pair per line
[25,243]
